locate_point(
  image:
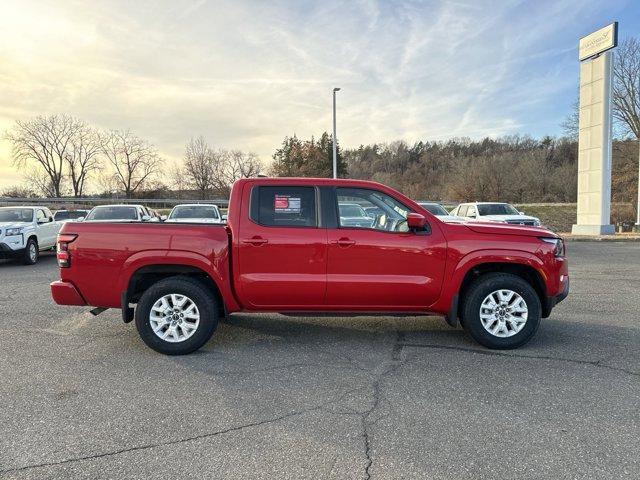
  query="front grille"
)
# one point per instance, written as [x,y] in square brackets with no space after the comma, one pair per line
[529,223]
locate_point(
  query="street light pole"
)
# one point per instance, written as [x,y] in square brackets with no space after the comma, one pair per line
[335,152]
[637,229]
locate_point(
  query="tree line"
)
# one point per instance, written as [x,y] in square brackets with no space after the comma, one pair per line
[60,154]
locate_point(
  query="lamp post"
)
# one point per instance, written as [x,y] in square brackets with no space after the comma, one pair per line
[335,153]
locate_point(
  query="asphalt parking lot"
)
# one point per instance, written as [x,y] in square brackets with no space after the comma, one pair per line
[341,398]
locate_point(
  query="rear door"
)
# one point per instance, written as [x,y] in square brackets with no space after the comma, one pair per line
[282,251]
[383,266]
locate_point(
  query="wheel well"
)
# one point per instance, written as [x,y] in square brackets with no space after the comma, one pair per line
[527,273]
[144,277]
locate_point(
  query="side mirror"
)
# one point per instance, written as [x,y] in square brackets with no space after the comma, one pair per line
[43,220]
[224,218]
[163,218]
[415,221]
[521,213]
[146,218]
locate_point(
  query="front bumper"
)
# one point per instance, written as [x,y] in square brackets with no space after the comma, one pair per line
[65,293]
[553,301]
[6,251]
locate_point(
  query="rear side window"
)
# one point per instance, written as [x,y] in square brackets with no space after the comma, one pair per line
[284,206]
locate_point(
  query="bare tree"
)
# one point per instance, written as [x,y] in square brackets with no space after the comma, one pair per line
[41,183]
[198,170]
[626,86]
[134,160]
[83,156]
[43,142]
[232,165]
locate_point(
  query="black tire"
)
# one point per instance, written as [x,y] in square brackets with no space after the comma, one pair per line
[198,293]
[479,290]
[31,252]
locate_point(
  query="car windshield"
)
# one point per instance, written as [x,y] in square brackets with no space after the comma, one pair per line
[434,208]
[69,214]
[16,215]
[496,209]
[195,211]
[113,213]
[351,210]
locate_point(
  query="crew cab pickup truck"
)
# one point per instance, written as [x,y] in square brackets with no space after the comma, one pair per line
[25,231]
[284,249]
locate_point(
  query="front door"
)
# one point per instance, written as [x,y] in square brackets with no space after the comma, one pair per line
[377,263]
[282,253]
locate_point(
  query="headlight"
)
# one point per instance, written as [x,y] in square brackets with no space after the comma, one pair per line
[558,245]
[13,231]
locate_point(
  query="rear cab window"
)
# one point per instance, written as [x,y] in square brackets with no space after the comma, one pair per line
[284,206]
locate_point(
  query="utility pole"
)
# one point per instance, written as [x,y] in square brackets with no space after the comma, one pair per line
[335,151]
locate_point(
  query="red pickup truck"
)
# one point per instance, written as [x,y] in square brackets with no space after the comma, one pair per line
[292,245]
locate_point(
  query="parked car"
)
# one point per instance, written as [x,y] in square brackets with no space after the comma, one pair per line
[121,213]
[285,249]
[69,215]
[439,211]
[494,212]
[373,212]
[26,231]
[195,213]
[353,215]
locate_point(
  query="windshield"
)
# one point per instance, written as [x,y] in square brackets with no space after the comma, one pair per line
[69,214]
[434,208]
[16,215]
[195,211]
[113,213]
[497,209]
[350,210]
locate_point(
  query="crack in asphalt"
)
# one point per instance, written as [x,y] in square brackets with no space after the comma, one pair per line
[391,366]
[594,363]
[180,440]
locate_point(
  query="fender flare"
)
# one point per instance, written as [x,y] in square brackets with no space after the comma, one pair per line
[480,257]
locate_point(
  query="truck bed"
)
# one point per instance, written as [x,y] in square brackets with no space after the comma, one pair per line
[105,255]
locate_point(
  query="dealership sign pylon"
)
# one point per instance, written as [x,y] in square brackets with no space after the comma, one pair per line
[594,137]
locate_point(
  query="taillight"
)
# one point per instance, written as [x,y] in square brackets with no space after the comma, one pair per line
[62,249]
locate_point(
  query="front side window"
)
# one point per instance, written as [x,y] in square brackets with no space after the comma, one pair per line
[40,216]
[386,213]
[471,213]
[284,206]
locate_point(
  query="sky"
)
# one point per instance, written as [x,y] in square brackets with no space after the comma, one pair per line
[245,74]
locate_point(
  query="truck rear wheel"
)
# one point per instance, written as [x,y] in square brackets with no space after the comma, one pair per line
[176,316]
[501,311]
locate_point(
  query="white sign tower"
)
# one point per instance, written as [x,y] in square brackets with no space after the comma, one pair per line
[594,138]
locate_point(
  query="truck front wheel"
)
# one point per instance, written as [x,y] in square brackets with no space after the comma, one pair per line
[501,311]
[176,316]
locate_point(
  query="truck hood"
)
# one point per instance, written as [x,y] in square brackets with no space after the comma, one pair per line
[492,228]
[508,218]
[4,225]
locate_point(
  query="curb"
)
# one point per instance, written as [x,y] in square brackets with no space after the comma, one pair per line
[600,238]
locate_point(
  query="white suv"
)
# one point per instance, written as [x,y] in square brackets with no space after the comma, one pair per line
[25,231]
[494,212]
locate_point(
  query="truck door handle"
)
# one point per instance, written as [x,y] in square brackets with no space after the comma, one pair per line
[345,242]
[257,241]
